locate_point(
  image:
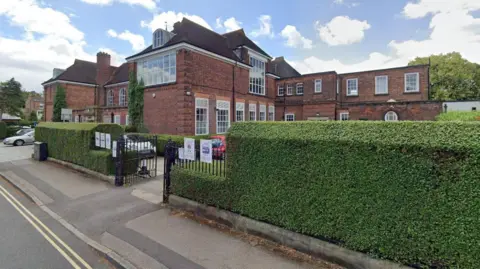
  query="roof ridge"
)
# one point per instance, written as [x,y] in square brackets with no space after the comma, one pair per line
[80,60]
[238,30]
[184,18]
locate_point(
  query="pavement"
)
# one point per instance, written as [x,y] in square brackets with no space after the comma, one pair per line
[133,222]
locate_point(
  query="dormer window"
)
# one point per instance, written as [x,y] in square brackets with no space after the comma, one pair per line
[160,37]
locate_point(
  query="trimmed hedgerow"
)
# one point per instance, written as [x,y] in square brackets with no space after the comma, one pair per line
[74,143]
[459,116]
[201,187]
[3,130]
[405,191]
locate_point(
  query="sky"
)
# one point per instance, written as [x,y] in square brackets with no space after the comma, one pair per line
[313,35]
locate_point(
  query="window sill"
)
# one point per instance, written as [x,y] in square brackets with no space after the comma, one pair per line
[351,95]
[299,94]
[160,85]
[256,94]
[317,92]
[381,94]
[412,92]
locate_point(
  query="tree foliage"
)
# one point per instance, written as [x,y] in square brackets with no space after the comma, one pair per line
[59,102]
[11,98]
[452,77]
[33,116]
[135,101]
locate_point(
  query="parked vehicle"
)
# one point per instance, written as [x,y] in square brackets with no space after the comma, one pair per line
[23,131]
[139,144]
[20,140]
[218,146]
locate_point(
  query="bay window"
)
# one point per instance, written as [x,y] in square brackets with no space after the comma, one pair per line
[158,69]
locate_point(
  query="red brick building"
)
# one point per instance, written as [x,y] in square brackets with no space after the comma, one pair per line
[34,103]
[198,82]
[94,91]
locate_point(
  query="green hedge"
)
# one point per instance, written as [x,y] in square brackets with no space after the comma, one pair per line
[405,191]
[3,130]
[459,116]
[75,143]
[12,130]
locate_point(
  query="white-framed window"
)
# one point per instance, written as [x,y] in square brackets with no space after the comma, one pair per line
[338,86]
[158,69]
[201,116]
[122,97]
[223,116]
[262,116]
[271,113]
[290,117]
[318,85]
[412,82]
[116,119]
[381,84]
[299,88]
[289,89]
[127,120]
[281,90]
[257,76]
[110,98]
[391,116]
[252,112]
[240,114]
[352,86]
[344,116]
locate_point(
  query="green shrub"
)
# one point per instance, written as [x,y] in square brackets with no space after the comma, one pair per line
[459,116]
[12,130]
[3,130]
[74,143]
[130,129]
[405,191]
[25,123]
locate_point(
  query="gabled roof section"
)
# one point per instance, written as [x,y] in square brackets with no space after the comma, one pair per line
[239,38]
[120,75]
[81,71]
[194,34]
[281,68]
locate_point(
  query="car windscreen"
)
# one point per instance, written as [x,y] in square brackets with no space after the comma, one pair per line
[24,131]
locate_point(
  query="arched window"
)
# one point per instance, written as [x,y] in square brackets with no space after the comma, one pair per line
[110,98]
[122,97]
[391,116]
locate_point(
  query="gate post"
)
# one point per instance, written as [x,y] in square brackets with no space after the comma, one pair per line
[119,178]
[169,160]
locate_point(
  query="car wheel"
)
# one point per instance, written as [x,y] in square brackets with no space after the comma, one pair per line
[19,143]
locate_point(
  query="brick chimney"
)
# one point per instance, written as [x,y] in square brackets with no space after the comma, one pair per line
[104,70]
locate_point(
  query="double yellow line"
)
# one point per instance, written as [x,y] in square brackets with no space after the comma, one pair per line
[45,231]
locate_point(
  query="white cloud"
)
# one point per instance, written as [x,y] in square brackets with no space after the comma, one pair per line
[295,39]
[137,41]
[33,18]
[170,17]
[342,30]
[452,26]
[148,4]
[230,24]
[49,41]
[266,27]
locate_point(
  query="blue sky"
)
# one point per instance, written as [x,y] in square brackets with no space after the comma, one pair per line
[341,35]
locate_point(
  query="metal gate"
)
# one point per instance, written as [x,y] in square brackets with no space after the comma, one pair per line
[136,159]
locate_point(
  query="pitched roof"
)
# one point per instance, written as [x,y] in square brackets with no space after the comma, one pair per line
[239,38]
[281,68]
[80,71]
[194,34]
[120,75]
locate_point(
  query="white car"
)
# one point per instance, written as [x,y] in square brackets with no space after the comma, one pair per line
[20,140]
[139,144]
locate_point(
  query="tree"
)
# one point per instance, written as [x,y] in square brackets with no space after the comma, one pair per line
[59,102]
[11,98]
[33,116]
[135,100]
[452,77]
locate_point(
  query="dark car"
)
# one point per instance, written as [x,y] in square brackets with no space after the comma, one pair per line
[218,146]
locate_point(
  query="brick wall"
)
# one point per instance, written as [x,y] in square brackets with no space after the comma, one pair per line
[396,85]
[329,86]
[78,96]
[405,110]
[116,95]
[123,112]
